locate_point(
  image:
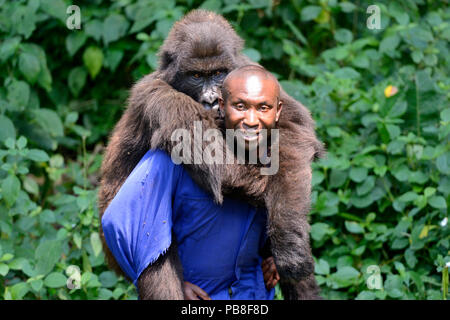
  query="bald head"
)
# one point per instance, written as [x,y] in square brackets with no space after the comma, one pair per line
[253,75]
[250,102]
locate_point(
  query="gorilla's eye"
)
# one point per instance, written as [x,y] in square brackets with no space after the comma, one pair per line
[218,73]
[196,75]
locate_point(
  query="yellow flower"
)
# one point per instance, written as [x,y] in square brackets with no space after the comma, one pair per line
[390,91]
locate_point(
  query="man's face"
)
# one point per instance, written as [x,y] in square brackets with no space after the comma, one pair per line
[252,105]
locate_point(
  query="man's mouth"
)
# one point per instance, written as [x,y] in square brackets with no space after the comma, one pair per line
[249,135]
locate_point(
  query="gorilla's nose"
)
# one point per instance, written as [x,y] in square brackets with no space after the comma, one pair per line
[209,96]
[209,99]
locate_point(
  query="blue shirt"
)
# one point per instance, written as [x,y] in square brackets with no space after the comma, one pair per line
[218,244]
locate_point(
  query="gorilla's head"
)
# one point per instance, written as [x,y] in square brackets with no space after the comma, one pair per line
[200,50]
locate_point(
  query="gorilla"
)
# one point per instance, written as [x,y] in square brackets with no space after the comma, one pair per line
[197,54]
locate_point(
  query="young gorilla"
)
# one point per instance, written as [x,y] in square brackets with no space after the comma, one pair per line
[198,52]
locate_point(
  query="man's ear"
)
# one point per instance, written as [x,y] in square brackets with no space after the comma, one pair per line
[221,107]
[279,108]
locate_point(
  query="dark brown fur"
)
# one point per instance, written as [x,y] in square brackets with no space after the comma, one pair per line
[205,41]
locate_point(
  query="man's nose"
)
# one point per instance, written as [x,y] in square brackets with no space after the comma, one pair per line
[251,121]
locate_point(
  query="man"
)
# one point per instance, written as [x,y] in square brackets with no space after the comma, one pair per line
[218,245]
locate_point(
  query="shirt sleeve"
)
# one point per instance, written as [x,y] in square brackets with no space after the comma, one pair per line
[137,223]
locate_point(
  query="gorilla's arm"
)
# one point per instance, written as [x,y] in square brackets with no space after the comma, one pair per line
[288,203]
[162,280]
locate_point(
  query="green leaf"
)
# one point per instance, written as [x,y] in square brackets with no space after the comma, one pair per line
[408,196]
[30,185]
[18,94]
[354,227]
[366,186]
[74,41]
[410,258]
[117,293]
[49,121]
[113,58]
[7,129]
[47,254]
[108,279]
[36,285]
[400,243]
[77,80]
[19,290]
[322,267]
[96,243]
[145,17]
[10,189]
[443,163]
[398,109]
[345,276]
[393,286]
[437,202]
[55,280]
[6,257]
[115,26]
[445,115]
[365,295]
[94,29]
[338,178]
[389,43]
[93,60]
[310,12]
[21,142]
[29,66]
[38,155]
[55,8]
[343,36]
[104,294]
[298,34]
[319,230]
[358,174]
[424,81]
[44,78]
[8,48]
[3,269]
[23,21]
[347,7]
[253,54]
[347,73]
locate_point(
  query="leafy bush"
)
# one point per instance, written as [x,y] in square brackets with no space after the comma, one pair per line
[379,98]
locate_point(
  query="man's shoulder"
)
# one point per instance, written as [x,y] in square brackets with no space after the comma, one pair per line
[158,159]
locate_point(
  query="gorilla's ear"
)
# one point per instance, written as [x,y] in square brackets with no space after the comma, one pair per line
[166,59]
[320,151]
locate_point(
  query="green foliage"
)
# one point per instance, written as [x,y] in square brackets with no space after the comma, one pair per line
[380,99]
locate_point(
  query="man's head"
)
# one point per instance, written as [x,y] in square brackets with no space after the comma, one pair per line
[250,101]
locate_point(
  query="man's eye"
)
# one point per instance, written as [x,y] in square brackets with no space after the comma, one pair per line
[264,108]
[239,107]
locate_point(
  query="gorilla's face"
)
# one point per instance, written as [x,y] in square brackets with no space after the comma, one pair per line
[202,86]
